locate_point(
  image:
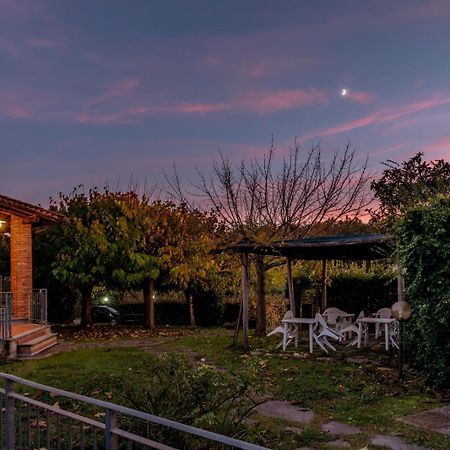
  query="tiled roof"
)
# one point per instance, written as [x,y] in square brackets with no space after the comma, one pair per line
[19,208]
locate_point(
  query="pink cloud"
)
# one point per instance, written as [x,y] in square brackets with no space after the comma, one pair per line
[210,60]
[423,10]
[381,116]
[21,10]
[259,102]
[279,100]
[19,112]
[363,98]
[46,43]
[119,89]
[440,148]
[393,149]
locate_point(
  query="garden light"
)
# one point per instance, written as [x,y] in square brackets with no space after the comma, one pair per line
[401,310]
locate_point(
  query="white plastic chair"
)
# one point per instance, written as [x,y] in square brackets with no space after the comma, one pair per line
[383,313]
[330,315]
[354,328]
[321,333]
[292,329]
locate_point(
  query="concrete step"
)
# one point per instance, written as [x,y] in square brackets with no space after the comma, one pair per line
[32,333]
[36,345]
[20,320]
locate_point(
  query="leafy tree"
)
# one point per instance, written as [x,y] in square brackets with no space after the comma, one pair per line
[62,297]
[414,181]
[158,243]
[98,243]
[194,266]
[123,240]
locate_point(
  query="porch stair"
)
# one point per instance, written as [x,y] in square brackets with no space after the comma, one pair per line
[34,341]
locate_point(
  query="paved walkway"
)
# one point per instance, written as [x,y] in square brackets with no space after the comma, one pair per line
[437,420]
[293,414]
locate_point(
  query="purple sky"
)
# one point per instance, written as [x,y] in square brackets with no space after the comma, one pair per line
[101,90]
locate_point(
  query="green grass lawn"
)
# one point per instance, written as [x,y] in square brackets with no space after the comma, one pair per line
[367,395]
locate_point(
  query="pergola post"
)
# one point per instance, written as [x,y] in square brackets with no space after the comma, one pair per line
[324,285]
[290,286]
[244,259]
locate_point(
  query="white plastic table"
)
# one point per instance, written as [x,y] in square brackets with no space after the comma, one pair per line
[342,323]
[379,320]
[296,321]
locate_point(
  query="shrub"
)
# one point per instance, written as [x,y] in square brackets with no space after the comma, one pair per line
[424,250]
[170,386]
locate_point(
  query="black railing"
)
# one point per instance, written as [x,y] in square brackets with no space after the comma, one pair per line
[5,315]
[38,306]
[27,423]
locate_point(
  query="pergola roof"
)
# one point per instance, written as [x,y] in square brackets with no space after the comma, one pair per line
[11,206]
[344,247]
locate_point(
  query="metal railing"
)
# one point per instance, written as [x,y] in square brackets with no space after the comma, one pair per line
[27,423]
[38,306]
[5,315]
[5,284]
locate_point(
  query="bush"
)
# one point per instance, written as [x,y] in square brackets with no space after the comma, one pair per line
[424,250]
[170,386]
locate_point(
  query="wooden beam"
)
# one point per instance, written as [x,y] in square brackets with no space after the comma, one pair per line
[324,285]
[30,219]
[244,259]
[290,286]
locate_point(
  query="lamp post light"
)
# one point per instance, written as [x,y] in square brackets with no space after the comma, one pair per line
[402,312]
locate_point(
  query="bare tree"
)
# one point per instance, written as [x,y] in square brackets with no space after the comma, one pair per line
[300,196]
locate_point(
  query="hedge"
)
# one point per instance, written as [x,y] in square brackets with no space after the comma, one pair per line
[352,293]
[424,250]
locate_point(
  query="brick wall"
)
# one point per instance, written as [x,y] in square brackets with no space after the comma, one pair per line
[21,266]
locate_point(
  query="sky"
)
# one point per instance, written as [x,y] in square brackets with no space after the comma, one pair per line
[104,91]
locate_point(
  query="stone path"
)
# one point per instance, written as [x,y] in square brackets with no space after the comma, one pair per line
[436,420]
[341,429]
[394,443]
[285,411]
[289,412]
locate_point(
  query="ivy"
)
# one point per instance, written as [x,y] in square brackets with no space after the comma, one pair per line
[424,251]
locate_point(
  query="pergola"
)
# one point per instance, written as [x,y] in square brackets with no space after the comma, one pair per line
[344,248]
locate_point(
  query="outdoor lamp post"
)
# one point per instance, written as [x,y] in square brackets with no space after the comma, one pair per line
[402,312]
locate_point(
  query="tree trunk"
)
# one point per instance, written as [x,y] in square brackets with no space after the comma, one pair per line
[261,296]
[86,300]
[149,304]
[190,308]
